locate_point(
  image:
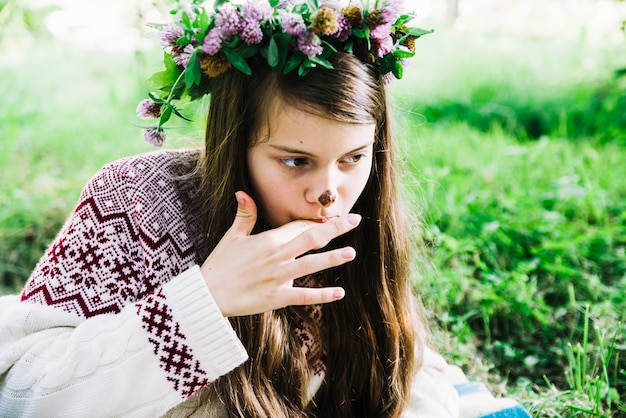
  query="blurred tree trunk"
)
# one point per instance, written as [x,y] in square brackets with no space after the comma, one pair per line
[452,11]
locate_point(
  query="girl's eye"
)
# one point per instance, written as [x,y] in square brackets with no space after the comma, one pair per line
[353,159]
[294,162]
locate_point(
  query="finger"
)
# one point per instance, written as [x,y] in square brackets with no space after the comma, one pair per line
[312,263]
[320,235]
[311,296]
[246,216]
[284,234]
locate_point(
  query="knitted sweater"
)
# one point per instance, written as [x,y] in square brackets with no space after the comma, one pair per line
[116,319]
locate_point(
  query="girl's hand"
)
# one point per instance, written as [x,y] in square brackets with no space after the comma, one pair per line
[249,274]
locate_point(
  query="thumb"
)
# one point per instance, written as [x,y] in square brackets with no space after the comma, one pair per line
[245,217]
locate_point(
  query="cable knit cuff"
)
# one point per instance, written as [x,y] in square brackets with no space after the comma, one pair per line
[210,336]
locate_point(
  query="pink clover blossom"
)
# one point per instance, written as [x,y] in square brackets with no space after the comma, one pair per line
[212,42]
[251,32]
[227,20]
[149,109]
[259,10]
[310,44]
[293,24]
[154,136]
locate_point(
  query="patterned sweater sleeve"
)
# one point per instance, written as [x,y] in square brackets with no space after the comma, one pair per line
[115,320]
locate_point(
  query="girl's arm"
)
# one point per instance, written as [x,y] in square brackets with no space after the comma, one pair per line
[104,326]
[139,362]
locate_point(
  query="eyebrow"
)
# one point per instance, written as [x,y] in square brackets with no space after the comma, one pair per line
[308,154]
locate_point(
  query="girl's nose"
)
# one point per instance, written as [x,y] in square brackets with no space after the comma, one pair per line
[327,198]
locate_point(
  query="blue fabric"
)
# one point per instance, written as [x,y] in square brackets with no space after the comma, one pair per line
[464,389]
[515,412]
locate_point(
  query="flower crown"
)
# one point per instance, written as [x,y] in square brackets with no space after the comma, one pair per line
[202,46]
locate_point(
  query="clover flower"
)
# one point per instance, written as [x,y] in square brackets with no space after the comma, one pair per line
[170,35]
[293,24]
[251,32]
[345,30]
[228,20]
[374,18]
[259,11]
[354,15]
[181,56]
[310,44]
[154,136]
[215,65]
[388,78]
[384,46]
[380,32]
[149,109]
[212,42]
[394,9]
[325,22]
[409,43]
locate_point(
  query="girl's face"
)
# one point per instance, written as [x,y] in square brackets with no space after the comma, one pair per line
[304,156]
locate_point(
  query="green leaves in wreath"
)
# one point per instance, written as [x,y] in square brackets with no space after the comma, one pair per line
[193,72]
[167,109]
[165,79]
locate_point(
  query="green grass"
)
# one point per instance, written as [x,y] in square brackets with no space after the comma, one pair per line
[524,236]
[527,237]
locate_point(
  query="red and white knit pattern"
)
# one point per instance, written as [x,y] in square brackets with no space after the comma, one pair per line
[126,237]
[175,356]
[129,235]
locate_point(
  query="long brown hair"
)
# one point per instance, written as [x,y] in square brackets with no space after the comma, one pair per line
[371,336]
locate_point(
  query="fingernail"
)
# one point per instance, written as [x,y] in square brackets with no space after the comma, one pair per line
[348,253]
[339,293]
[354,219]
[239,198]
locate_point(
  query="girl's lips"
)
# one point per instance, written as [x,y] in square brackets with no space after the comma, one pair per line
[324,219]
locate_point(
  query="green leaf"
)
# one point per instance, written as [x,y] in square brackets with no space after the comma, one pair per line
[167,113]
[330,48]
[293,62]
[272,53]
[302,71]
[359,33]
[402,53]
[186,20]
[169,62]
[247,51]
[322,62]
[166,77]
[398,70]
[274,3]
[204,20]
[387,63]
[404,19]
[305,67]
[417,32]
[282,42]
[234,43]
[183,41]
[193,73]
[349,47]
[155,99]
[180,115]
[237,61]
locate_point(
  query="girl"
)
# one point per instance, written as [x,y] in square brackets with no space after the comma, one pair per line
[267,275]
